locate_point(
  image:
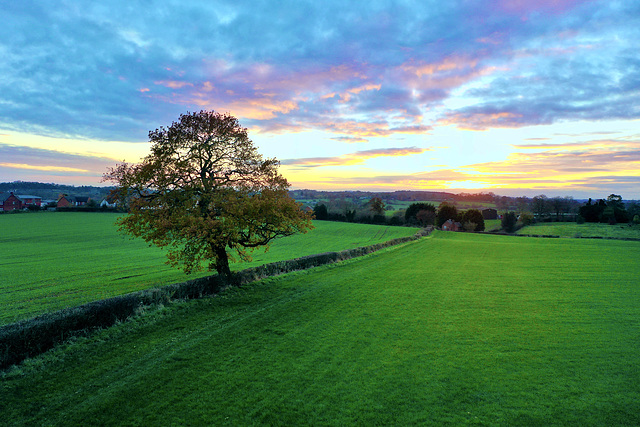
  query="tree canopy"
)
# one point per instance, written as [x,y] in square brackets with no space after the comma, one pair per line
[428,213]
[446,212]
[206,194]
[472,220]
[610,210]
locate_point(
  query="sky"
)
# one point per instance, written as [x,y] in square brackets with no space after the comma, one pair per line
[516,97]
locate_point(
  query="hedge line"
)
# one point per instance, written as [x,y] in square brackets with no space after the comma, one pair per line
[28,338]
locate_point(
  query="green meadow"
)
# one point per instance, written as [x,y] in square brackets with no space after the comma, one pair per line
[54,260]
[572,229]
[451,329]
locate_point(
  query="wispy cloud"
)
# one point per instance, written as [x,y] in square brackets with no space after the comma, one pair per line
[38,160]
[353,158]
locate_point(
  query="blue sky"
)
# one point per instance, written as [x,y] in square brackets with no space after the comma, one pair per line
[510,96]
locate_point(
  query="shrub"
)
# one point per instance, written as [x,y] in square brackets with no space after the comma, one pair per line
[509,221]
[526,218]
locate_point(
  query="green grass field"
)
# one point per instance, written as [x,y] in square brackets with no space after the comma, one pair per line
[54,260]
[452,329]
[492,224]
[572,229]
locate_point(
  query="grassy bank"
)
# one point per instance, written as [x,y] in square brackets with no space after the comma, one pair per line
[456,328]
[55,260]
[572,229]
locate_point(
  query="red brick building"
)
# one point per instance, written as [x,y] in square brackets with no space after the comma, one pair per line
[451,225]
[10,202]
[30,200]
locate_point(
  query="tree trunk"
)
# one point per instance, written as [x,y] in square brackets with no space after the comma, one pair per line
[222,262]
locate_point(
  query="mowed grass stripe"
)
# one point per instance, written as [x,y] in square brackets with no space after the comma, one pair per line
[572,229]
[50,261]
[451,329]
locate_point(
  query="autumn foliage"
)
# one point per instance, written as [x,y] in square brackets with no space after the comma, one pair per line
[206,194]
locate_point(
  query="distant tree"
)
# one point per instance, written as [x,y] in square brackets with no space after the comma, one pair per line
[615,201]
[426,217]
[377,205]
[475,217]
[522,203]
[411,214]
[633,209]
[592,212]
[611,210]
[540,206]
[205,193]
[609,215]
[321,212]
[620,213]
[636,219]
[503,202]
[350,214]
[557,204]
[446,212]
[509,221]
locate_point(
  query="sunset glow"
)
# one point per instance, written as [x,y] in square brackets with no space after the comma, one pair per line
[513,97]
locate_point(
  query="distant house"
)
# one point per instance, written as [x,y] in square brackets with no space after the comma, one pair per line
[10,202]
[108,202]
[489,214]
[66,201]
[451,225]
[81,201]
[30,200]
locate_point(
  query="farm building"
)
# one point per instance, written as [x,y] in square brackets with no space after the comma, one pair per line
[10,202]
[489,214]
[451,225]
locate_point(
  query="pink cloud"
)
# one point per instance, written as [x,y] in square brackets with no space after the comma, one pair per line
[353,158]
[524,7]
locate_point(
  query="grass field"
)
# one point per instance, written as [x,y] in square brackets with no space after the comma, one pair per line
[452,329]
[572,229]
[54,260]
[492,224]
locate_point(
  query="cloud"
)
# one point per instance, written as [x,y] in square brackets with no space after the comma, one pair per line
[103,72]
[39,160]
[589,168]
[350,139]
[358,157]
[114,71]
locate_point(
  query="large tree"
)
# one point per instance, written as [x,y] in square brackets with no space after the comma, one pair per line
[206,194]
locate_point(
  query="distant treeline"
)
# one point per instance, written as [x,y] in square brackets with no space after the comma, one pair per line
[51,191]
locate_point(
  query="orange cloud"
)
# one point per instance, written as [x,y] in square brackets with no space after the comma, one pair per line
[172,84]
[591,166]
[41,168]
